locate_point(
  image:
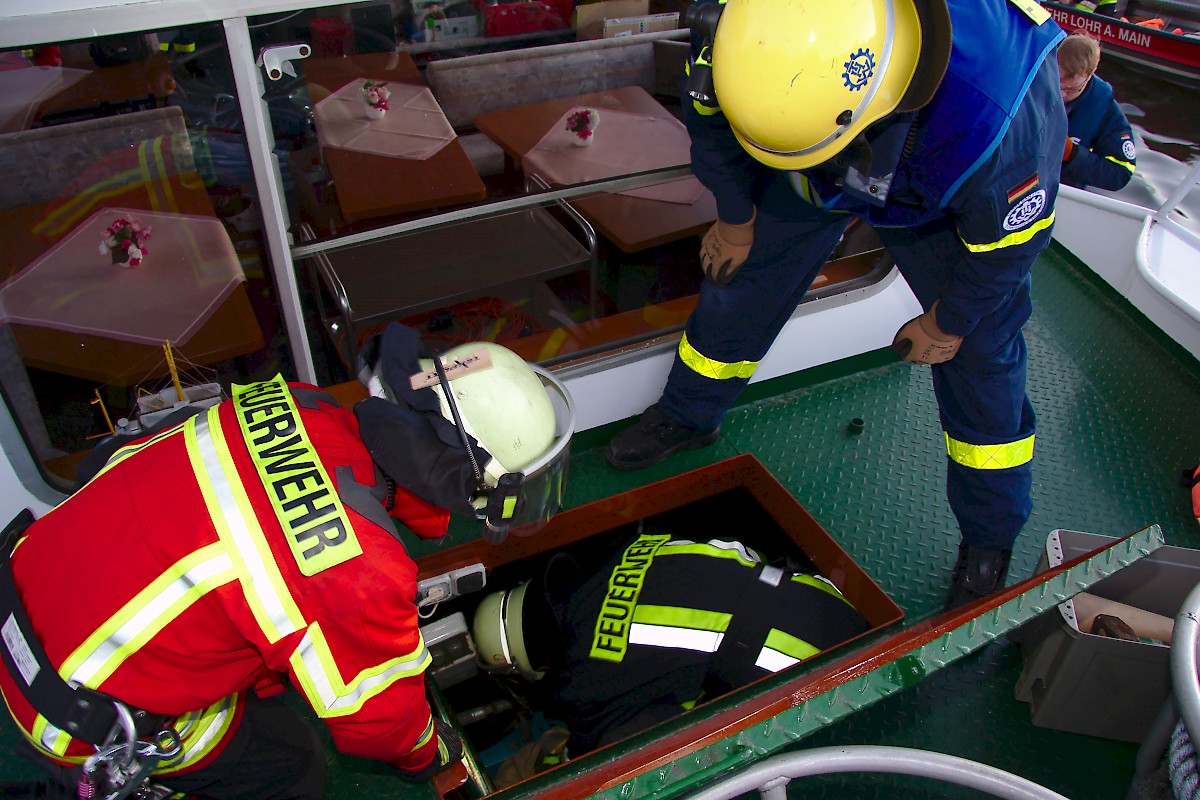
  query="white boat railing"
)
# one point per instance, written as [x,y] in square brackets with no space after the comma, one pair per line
[771,777]
[1168,253]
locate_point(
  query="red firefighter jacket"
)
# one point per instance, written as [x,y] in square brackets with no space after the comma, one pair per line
[221,554]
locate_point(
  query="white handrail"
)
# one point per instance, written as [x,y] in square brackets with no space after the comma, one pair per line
[770,777]
[1181,191]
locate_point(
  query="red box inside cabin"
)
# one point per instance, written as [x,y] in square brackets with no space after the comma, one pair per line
[509,19]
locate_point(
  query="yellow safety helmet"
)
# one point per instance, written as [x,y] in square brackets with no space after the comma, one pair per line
[799,80]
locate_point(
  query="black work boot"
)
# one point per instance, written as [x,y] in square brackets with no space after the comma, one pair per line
[977,573]
[652,438]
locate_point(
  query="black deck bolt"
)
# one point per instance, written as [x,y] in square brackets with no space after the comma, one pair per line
[856,425]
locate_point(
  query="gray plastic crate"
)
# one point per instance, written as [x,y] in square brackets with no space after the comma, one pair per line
[1095,685]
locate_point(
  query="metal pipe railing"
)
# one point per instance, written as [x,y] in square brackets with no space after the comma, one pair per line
[771,777]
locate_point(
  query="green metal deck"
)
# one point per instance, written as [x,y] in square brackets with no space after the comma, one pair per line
[1111,396]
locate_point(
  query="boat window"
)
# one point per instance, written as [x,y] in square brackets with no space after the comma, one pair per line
[133,234]
[514,172]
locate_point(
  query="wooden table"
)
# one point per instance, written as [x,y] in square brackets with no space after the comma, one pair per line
[104,90]
[631,223]
[231,330]
[370,185]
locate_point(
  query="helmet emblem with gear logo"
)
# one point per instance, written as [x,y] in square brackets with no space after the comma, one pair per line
[859,70]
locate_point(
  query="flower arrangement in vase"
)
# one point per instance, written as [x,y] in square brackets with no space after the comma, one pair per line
[125,241]
[583,124]
[375,94]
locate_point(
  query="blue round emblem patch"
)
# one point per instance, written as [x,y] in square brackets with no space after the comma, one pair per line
[859,70]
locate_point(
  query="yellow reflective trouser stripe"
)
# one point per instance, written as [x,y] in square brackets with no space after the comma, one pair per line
[321,679]
[822,584]
[138,621]
[1017,237]
[990,456]
[201,731]
[1124,164]
[733,550]
[236,523]
[711,368]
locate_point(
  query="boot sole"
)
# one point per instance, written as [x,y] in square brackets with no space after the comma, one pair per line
[690,444]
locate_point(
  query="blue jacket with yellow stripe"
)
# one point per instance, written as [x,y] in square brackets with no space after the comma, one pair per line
[1106,155]
[975,157]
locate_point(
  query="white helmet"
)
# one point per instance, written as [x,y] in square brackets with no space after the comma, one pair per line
[499,632]
[501,402]
[495,444]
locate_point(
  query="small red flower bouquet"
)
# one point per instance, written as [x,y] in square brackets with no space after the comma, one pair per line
[583,123]
[125,241]
[376,94]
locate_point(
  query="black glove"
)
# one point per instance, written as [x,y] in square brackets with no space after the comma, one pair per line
[449,751]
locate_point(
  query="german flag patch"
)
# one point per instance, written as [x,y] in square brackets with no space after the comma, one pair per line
[1023,188]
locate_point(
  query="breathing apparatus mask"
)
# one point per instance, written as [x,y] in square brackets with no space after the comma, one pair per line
[475,431]
[801,80]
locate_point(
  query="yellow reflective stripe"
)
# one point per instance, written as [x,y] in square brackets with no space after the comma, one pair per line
[71,213]
[553,344]
[822,584]
[781,650]
[132,449]
[305,501]
[990,456]
[710,367]
[138,621]
[426,735]
[236,523]
[735,551]
[157,186]
[1124,164]
[201,731]
[676,617]
[1017,237]
[52,741]
[701,109]
[321,679]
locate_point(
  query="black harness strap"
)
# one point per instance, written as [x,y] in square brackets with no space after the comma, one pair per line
[83,713]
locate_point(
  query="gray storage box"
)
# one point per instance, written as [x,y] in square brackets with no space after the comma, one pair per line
[1095,685]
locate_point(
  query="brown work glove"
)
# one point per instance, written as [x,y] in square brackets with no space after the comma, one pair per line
[921,341]
[725,248]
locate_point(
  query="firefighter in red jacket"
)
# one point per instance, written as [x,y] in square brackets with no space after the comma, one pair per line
[207,563]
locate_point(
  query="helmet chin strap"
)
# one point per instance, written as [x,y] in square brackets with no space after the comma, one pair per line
[497,510]
[458,423]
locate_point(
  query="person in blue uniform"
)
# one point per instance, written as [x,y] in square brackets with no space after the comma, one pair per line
[893,111]
[1099,150]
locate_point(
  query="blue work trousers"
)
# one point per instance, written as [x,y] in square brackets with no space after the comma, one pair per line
[980,392]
